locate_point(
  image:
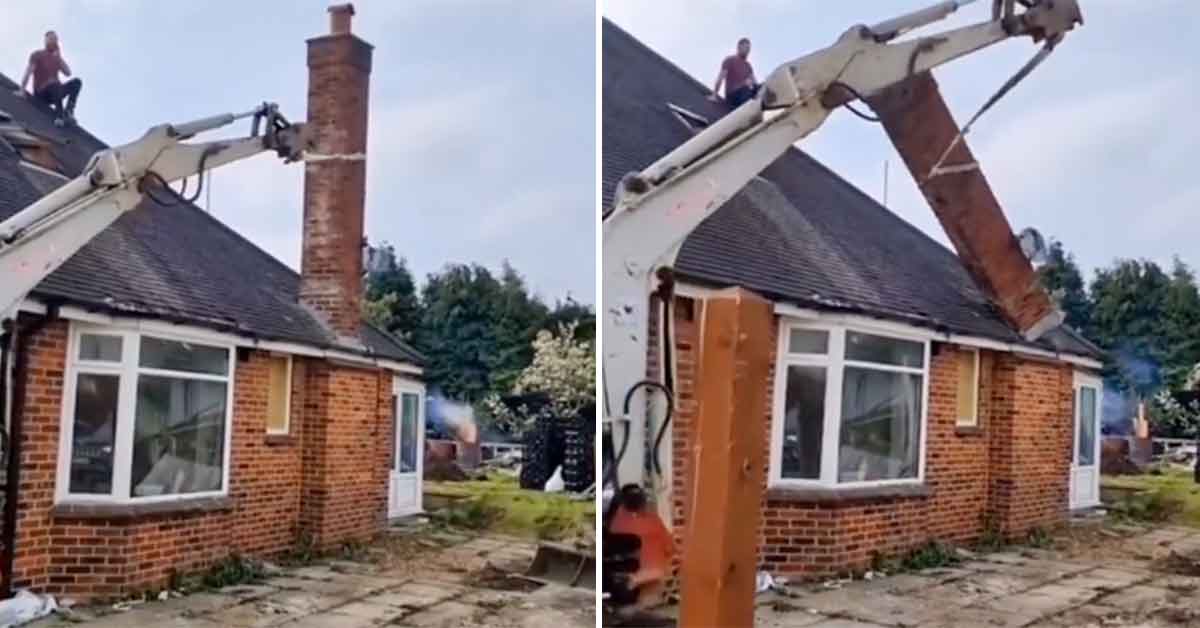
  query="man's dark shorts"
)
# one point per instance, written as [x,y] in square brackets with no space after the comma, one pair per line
[740,96]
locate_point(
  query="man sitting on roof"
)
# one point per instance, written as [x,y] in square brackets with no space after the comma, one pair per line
[44,67]
[738,76]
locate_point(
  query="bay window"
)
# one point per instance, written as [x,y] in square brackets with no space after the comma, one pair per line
[146,417]
[849,407]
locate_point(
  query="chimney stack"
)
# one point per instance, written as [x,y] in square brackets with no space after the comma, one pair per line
[331,266]
[921,128]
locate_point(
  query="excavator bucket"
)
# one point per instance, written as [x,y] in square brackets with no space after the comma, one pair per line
[564,565]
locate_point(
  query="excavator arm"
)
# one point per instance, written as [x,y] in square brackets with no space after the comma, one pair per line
[657,208]
[38,239]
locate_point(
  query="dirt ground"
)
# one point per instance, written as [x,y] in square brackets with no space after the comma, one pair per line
[418,579]
[1097,575]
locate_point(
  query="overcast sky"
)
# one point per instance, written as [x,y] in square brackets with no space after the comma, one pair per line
[1095,148]
[482,123]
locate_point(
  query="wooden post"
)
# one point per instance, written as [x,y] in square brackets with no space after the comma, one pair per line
[720,547]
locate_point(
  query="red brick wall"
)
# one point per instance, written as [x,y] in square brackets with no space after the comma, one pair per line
[339,69]
[345,461]
[1024,434]
[339,436]
[1030,447]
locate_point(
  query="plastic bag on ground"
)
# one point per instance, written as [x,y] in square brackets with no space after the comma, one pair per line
[555,484]
[25,607]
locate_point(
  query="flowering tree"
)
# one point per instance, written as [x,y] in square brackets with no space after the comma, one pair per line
[563,370]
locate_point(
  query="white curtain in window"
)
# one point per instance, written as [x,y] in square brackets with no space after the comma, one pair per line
[881,425]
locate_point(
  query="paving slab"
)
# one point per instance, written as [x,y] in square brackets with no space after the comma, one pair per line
[1036,604]
[1138,598]
[255,615]
[444,615]
[782,617]
[414,595]
[978,618]
[1071,594]
[369,613]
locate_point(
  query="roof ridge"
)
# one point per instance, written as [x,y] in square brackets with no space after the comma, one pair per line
[645,48]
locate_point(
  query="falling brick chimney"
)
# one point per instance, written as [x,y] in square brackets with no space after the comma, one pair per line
[331,267]
[921,128]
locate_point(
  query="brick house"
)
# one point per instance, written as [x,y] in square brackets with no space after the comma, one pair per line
[902,405]
[177,394]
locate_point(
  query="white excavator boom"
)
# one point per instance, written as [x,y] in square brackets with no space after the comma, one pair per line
[38,239]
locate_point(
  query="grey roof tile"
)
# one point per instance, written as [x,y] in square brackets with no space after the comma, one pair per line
[176,263]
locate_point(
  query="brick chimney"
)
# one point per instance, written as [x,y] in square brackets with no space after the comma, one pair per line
[921,128]
[331,267]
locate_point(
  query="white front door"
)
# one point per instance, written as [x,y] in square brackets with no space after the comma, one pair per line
[1085,461]
[408,448]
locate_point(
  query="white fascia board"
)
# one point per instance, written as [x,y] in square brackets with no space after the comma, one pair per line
[868,323]
[200,333]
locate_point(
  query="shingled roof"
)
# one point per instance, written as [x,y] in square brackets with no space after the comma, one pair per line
[798,233]
[176,263]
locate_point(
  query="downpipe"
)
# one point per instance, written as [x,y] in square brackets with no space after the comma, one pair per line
[16,350]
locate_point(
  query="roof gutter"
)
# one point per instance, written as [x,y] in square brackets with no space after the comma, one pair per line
[695,291]
[149,323]
[784,309]
[12,453]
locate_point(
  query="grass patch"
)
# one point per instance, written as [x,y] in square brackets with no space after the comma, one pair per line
[499,504]
[1170,497]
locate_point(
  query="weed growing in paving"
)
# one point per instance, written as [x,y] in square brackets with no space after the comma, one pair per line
[233,570]
[931,555]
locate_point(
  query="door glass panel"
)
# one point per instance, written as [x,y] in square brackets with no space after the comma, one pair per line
[1087,426]
[407,458]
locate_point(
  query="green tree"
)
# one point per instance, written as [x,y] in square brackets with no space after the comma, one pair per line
[391,294]
[477,330]
[456,333]
[1181,326]
[582,318]
[1061,277]
[1128,309]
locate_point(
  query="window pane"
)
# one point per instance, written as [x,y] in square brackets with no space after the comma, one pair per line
[803,422]
[277,394]
[100,348]
[808,341]
[178,436]
[92,442]
[968,363]
[408,433]
[1087,426]
[868,348]
[183,356]
[881,425]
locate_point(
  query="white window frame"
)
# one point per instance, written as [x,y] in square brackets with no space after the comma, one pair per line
[287,398]
[127,371]
[958,420]
[834,362]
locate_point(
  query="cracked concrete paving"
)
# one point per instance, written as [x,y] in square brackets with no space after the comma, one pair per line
[1020,588]
[440,592]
